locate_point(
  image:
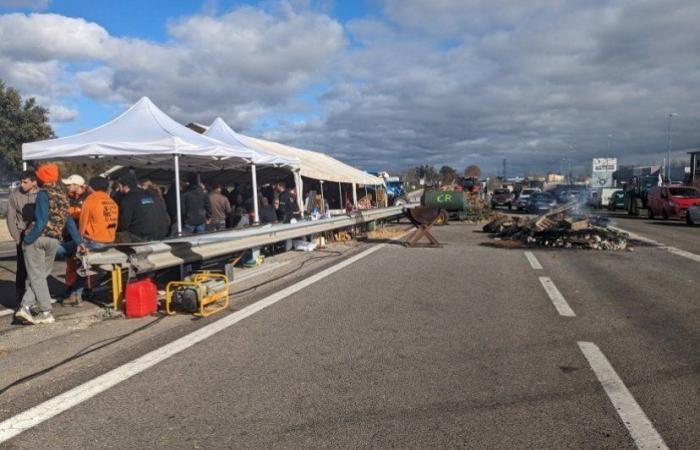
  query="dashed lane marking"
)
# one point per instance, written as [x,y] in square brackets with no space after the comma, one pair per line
[557,299]
[638,424]
[63,402]
[534,263]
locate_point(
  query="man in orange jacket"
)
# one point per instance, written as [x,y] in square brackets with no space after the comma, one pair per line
[98,225]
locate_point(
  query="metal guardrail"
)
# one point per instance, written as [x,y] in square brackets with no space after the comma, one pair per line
[149,257]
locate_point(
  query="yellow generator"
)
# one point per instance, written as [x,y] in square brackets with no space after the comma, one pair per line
[201,294]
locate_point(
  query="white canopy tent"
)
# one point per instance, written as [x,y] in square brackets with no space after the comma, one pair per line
[220,131]
[312,164]
[144,136]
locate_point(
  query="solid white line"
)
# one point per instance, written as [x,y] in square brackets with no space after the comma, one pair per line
[557,299]
[673,250]
[534,263]
[63,402]
[640,427]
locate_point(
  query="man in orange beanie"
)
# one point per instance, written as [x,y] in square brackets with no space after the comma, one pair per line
[40,243]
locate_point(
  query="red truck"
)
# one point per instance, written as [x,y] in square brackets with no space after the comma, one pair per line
[671,202]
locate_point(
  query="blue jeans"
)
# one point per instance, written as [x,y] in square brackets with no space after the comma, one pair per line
[194,229]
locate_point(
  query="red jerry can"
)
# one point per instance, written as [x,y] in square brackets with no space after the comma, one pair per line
[141,298]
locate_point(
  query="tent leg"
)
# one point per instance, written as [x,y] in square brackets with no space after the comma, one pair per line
[323,199]
[24,165]
[178,205]
[255,192]
[299,185]
[340,195]
[354,194]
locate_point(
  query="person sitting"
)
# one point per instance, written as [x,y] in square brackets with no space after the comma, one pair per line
[244,220]
[97,226]
[196,208]
[267,212]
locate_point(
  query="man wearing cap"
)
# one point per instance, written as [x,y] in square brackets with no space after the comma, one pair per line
[40,243]
[97,226]
[77,193]
[19,201]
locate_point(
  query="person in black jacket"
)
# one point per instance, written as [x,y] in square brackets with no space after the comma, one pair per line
[288,205]
[139,213]
[196,208]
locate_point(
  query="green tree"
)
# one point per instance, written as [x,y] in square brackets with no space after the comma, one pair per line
[472,171]
[20,121]
[448,175]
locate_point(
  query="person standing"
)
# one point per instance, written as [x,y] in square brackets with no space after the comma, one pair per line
[196,208]
[138,212]
[51,217]
[287,201]
[18,202]
[220,208]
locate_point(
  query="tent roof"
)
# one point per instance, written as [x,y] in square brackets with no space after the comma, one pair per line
[142,135]
[312,164]
[220,131]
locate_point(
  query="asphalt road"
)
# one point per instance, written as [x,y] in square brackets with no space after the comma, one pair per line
[458,347]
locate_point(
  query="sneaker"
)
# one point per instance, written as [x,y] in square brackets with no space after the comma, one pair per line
[44,317]
[24,315]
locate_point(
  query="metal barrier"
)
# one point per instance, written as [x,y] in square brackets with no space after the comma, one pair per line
[153,256]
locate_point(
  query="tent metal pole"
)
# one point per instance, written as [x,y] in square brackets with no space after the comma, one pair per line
[366,194]
[24,165]
[340,195]
[255,192]
[299,188]
[323,199]
[178,205]
[354,194]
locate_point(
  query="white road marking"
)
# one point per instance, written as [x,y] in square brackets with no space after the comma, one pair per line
[557,299]
[534,263]
[638,424]
[63,402]
[673,250]
[6,312]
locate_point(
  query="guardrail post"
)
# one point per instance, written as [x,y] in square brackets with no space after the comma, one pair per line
[117,286]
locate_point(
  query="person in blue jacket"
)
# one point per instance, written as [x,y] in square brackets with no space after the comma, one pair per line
[51,217]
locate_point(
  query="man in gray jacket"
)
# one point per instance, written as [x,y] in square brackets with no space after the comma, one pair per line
[20,199]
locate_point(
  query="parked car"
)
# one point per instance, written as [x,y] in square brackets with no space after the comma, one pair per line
[617,200]
[541,202]
[692,215]
[502,197]
[523,200]
[672,201]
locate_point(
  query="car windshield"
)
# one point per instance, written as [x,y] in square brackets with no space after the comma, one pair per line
[528,192]
[501,191]
[541,197]
[685,192]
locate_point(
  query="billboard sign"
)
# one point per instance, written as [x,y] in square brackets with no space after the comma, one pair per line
[603,169]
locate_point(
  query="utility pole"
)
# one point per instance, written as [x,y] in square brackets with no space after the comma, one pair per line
[668,159]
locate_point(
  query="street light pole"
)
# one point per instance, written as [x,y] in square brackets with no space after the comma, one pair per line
[668,158]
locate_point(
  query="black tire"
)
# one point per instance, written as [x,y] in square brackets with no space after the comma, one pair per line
[650,213]
[688,219]
[664,214]
[510,207]
[442,218]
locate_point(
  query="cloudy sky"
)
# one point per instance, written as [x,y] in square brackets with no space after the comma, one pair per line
[382,84]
